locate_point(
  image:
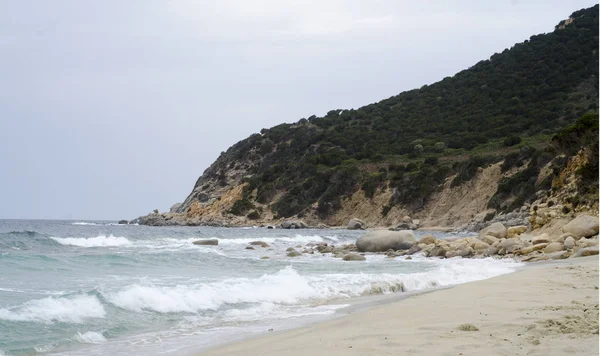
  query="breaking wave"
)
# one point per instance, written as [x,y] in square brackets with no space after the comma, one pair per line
[98,241]
[288,287]
[63,309]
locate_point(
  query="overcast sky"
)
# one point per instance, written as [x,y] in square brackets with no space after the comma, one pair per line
[109,109]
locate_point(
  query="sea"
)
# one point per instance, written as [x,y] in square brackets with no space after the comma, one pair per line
[99,288]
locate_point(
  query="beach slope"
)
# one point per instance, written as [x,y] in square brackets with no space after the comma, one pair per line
[545,309]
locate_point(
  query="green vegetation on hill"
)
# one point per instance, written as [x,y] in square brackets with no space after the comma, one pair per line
[505,107]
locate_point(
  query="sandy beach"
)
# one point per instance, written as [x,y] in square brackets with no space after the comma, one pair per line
[544,309]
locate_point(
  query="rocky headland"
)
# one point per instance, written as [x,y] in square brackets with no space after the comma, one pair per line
[494,153]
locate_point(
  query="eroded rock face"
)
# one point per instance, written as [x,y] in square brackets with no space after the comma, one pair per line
[498,230]
[381,241]
[582,226]
[174,207]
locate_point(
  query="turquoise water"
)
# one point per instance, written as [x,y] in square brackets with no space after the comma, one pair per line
[97,288]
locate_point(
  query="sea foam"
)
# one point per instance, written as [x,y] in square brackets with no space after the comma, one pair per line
[90,337]
[51,309]
[98,241]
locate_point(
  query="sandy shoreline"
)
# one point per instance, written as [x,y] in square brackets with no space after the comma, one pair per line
[544,309]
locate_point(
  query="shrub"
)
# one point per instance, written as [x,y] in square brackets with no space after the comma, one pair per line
[253,215]
[512,140]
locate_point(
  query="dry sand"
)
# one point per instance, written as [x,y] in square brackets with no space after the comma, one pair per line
[545,309]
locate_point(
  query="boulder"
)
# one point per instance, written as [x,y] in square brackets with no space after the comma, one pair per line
[405,226]
[583,242]
[497,230]
[427,239]
[491,251]
[380,241]
[355,224]
[553,247]
[460,252]
[509,244]
[293,253]
[353,257]
[489,239]
[123,222]
[259,243]
[438,251]
[479,245]
[536,258]
[569,242]
[210,242]
[406,219]
[326,249]
[558,255]
[529,249]
[582,226]
[515,230]
[249,248]
[588,251]
[297,224]
[543,238]
[414,249]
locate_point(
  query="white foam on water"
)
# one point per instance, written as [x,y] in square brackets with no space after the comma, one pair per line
[90,337]
[258,313]
[98,241]
[65,309]
[287,287]
[84,223]
[44,348]
[298,239]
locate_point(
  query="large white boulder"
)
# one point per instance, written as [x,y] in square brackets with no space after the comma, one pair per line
[498,230]
[582,226]
[380,241]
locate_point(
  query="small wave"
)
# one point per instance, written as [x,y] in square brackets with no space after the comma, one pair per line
[300,239]
[98,241]
[51,309]
[22,240]
[85,223]
[90,337]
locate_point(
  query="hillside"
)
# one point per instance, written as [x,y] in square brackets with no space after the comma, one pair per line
[403,154]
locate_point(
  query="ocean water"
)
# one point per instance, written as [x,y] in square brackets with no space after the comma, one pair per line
[98,288]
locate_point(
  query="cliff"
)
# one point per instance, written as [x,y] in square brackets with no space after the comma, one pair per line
[480,145]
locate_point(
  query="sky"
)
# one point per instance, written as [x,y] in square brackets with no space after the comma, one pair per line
[110,109]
